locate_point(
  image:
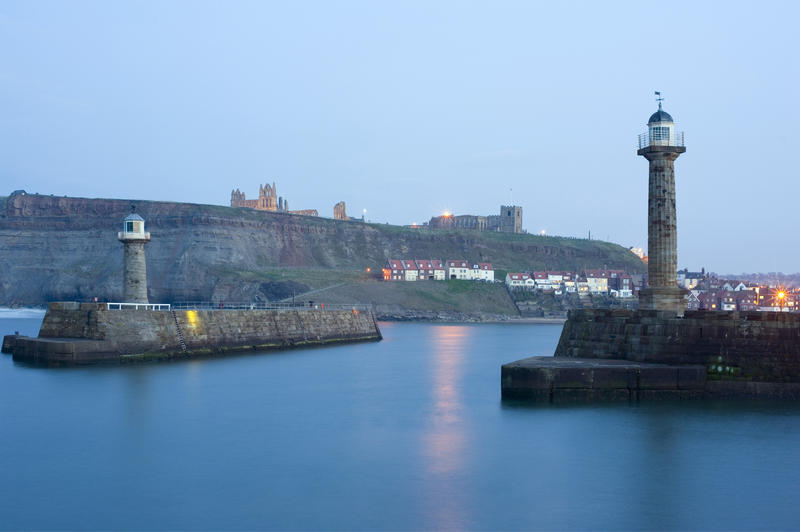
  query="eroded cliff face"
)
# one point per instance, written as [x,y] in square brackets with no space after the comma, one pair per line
[60,248]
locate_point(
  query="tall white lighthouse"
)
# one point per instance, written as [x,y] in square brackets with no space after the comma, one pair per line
[134,237]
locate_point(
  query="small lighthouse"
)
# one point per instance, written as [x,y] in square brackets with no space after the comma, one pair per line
[661,145]
[134,237]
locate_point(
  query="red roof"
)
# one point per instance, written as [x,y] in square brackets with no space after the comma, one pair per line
[484,266]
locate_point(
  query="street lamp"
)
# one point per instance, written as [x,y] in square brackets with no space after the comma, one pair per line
[781,299]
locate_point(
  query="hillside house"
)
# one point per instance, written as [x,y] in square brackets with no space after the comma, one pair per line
[620,283]
[483,271]
[410,269]
[519,280]
[458,269]
[689,280]
[430,270]
[597,281]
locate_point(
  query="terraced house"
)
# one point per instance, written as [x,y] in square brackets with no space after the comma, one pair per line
[436,270]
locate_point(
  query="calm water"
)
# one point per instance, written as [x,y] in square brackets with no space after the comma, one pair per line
[409,433]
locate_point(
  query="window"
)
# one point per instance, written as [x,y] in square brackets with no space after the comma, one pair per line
[659,133]
[129,227]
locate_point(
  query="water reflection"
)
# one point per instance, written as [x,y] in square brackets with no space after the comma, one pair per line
[444,441]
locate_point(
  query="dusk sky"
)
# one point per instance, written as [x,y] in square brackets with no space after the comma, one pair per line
[406,109]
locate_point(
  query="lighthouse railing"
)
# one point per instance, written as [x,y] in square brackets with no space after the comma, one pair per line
[138,306]
[645,141]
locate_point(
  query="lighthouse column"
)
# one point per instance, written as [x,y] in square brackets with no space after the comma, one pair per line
[661,146]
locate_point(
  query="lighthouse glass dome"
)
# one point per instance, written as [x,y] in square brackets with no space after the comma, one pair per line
[660,127]
[133,227]
[660,131]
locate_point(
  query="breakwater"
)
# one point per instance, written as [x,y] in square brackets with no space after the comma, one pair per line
[619,354]
[86,333]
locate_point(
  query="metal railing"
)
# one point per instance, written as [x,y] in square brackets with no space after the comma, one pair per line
[225,305]
[646,142]
[138,306]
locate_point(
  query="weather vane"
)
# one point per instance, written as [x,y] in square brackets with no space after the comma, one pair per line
[659,99]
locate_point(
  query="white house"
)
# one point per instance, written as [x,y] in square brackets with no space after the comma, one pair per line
[519,280]
[458,269]
[483,271]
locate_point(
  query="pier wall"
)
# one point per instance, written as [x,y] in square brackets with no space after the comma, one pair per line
[89,333]
[648,354]
[753,346]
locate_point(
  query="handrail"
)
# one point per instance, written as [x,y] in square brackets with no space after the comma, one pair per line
[240,305]
[137,306]
[237,305]
[645,141]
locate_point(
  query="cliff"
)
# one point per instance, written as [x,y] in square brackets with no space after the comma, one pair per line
[62,248]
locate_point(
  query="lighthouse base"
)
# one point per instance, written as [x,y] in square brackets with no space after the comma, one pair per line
[667,298]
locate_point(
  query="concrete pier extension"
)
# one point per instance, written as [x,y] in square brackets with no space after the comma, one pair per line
[621,354]
[88,333]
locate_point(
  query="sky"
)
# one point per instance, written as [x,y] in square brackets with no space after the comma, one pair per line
[408,109]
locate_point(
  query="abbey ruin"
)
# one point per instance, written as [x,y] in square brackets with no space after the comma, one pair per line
[268,200]
[508,221]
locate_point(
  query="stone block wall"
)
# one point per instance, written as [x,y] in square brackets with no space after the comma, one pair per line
[749,346]
[89,327]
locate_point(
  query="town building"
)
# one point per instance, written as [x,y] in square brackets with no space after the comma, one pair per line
[431,270]
[520,280]
[483,271]
[596,280]
[620,283]
[434,270]
[689,280]
[458,269]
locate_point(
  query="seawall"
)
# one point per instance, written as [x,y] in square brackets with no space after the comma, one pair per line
[634,354]
[85,333]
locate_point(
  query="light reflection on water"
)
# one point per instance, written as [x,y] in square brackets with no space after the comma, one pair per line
[409,433]
[445,438]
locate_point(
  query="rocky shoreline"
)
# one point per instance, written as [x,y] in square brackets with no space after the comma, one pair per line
[460,317]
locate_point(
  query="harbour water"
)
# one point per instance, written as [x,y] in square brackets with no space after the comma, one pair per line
[405,434]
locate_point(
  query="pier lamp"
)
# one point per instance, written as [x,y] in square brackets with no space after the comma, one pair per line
[134,237]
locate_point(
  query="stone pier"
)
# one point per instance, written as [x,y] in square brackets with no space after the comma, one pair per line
[623,354]
[87,333]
